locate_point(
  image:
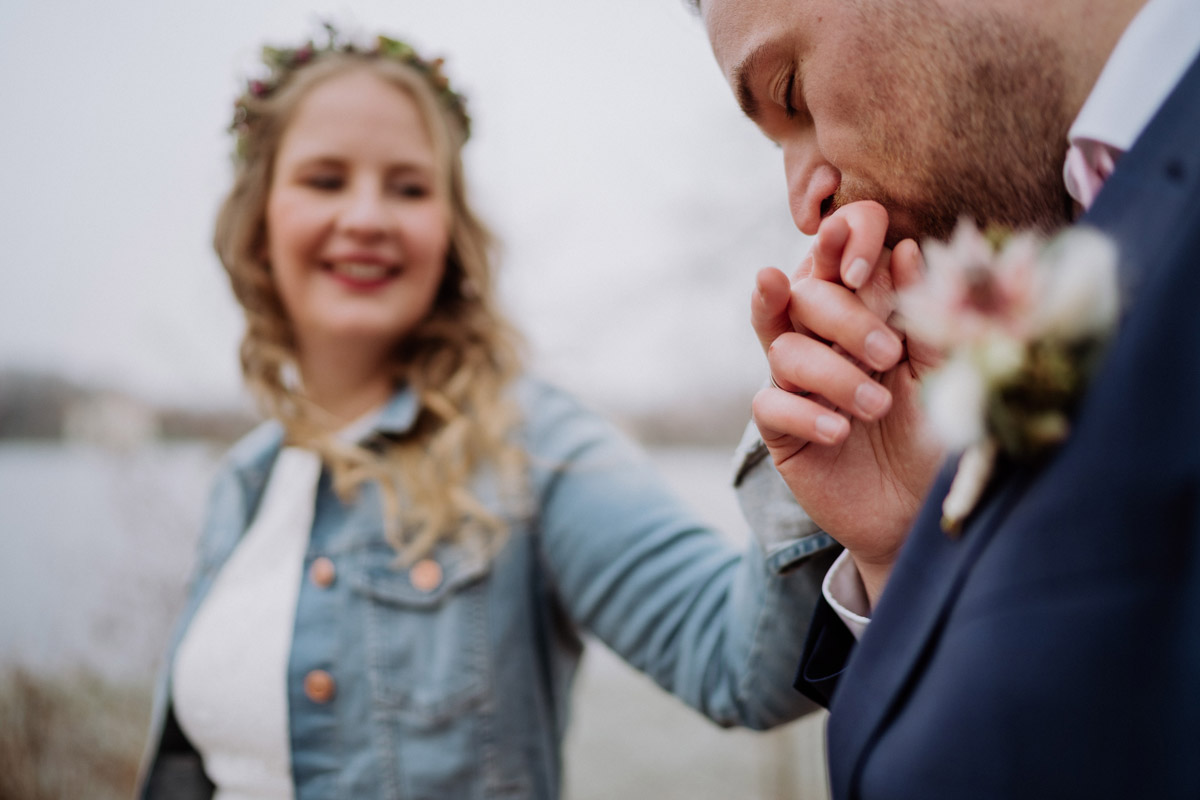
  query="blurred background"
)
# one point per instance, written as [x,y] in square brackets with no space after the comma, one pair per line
[634,205]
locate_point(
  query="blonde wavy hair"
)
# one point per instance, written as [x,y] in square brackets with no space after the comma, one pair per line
[459,360]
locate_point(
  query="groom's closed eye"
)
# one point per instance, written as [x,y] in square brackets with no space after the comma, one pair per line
[768,75]
[789,92]
[768,86]
[790,96]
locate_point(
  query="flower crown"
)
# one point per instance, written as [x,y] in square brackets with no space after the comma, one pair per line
[283,62]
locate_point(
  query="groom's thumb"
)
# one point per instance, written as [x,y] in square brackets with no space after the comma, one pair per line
[908,269]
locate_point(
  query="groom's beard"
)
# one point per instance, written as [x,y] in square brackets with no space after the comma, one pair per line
[1018,199]
[977,127]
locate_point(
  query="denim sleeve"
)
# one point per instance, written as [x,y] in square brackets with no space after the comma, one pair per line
[721,629]
[786,533]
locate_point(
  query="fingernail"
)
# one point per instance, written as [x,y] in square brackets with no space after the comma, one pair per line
[829,428]
[883,349]
[856,273]
[871,399]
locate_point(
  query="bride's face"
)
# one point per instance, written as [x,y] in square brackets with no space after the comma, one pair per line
[357,222]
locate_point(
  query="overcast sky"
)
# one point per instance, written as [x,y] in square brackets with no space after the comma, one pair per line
[633,200]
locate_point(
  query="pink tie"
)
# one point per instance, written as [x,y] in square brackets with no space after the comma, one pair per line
[1089,163]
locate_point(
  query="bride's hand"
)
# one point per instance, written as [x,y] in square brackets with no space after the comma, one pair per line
[843,422]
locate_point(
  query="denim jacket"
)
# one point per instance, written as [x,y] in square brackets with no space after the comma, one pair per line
[458,685]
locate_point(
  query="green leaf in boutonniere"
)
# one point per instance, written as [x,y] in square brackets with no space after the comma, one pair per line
[1023,323]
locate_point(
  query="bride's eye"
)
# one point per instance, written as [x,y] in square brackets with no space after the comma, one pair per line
[326,182]
[410,189]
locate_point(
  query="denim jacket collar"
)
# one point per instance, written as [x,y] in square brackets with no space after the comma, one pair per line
[253,457]
[400,413]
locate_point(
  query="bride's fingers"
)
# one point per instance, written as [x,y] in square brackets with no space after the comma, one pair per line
[787,422]
[849,244]
[825,258]
[835,314]
[878,294]
[908,267]
[769,306]
[868,222]
[801,363]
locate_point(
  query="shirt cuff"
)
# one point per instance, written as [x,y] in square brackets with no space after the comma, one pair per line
[844,591]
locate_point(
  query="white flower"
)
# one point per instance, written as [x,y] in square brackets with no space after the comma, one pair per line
[998,357]
[954,401]
[1020,326]
[969,293]
[1078,292]
[974,468]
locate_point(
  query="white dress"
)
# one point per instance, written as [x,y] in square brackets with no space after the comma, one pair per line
[230,672]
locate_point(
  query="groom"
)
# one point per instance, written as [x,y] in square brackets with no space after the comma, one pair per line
[1053,648]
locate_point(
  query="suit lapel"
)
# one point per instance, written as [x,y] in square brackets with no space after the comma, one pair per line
[1139,207]
[905,625]
[1142,200]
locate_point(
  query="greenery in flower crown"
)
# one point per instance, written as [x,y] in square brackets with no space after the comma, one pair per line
[283,62]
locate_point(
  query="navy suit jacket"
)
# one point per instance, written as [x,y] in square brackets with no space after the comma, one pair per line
[1053,650]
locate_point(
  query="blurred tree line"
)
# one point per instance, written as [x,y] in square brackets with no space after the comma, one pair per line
[47,406]
[40,405]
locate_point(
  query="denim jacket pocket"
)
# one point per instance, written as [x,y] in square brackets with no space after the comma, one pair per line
[426,632]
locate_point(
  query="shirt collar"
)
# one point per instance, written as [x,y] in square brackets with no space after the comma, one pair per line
[1150,58]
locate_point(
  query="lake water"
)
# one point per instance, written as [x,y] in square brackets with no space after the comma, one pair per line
[98,545]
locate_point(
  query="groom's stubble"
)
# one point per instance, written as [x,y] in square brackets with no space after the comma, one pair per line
[970,119]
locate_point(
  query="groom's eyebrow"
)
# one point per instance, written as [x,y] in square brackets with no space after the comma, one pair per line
[743,75]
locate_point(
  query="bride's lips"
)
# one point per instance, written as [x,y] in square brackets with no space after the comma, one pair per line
[361,271]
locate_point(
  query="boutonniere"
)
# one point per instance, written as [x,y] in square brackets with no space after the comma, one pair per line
[1023,322]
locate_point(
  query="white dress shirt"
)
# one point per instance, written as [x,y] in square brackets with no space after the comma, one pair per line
[1149,60]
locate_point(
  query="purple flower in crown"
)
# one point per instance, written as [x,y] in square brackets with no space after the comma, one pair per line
[303,55]
[281,62]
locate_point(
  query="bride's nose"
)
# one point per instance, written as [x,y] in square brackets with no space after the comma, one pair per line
[363,212]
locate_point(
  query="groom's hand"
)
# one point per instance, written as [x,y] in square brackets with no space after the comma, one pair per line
[844,423]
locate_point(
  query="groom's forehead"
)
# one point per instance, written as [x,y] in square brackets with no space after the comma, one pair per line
[730,22]
[762,34]
[737,27]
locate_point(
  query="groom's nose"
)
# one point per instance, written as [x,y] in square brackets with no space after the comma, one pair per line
[811,180]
